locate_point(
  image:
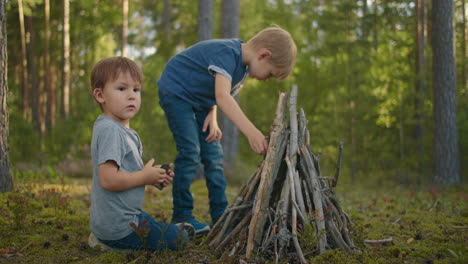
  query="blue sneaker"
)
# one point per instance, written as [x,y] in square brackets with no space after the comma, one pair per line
[193,227]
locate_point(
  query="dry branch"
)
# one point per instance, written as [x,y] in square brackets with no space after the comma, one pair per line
[380,241]
[267,178]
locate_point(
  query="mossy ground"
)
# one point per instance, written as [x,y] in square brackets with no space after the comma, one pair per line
[43,222]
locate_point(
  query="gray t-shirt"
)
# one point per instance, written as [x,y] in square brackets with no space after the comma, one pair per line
[112,212]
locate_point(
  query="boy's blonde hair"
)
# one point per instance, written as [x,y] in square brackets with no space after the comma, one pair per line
[108,69]
[281,45]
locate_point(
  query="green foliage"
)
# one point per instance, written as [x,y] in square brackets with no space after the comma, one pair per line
[355,71]
[24,140]
[18,205]
[308,239]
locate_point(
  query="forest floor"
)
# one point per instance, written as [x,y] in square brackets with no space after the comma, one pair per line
[46,221]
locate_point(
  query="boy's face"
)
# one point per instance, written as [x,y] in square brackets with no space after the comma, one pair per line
[120,98]
[261,68]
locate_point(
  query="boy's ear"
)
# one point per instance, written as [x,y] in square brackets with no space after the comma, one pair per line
[98,96]
[264,53]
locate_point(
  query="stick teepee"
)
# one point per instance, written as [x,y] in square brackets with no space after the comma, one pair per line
[284,197]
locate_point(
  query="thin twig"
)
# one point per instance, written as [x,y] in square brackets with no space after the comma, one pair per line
[380,241]
[338,164]
[239,207]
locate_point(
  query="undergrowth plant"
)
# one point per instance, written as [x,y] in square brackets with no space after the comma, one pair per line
[18,205]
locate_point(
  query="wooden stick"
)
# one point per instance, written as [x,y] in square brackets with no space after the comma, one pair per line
[267,178]
[244,195]
[239,207]
[294,212]
[293,126]
[274,226]
[293,150]
[317,199]
[335,235]
[236,230]
[380,241]
[309,202]
[338,164]
[301,215]
[221,233]
[285,206]
[299,196]
[302,128]
[268,233]
[233,251]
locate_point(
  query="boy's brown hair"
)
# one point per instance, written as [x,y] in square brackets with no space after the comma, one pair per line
[108,69]
[281,45]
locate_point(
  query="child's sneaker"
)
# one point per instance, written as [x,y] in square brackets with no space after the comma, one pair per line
[193,227]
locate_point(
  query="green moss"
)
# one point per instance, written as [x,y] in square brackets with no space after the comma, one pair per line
[422,225]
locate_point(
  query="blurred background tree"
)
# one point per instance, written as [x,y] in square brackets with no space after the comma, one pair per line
[6,183]
[363,72]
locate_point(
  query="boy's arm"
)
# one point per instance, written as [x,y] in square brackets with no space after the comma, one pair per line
[112,179]
[211,123]
[231,109]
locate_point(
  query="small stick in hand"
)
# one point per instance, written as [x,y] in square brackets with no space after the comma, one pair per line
[166,167]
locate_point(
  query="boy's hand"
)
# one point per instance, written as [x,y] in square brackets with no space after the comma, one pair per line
[154,175]
[212,123]
[169,175]
[258,142]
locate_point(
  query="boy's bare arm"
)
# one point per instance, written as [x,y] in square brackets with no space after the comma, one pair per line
[112,179]
[231,109]
[211,123]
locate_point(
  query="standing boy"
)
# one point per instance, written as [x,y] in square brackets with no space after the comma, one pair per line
[196,81]
[119,175]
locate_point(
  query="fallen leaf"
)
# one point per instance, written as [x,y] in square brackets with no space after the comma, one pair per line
[452,252]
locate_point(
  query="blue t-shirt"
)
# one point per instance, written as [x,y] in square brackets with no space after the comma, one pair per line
[112,212]
[190,75]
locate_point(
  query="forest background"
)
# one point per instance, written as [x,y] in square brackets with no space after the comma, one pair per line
[364,72]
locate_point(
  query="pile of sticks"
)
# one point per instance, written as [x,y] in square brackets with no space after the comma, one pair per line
[285,197]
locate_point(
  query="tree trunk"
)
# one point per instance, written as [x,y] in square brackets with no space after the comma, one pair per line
[205,19]
[35,88]
[6,184]
[166,48]
[446,152]
[24,89]
[230,29]
[230,19]
[375,37]
[124,27]
[66,60]
[463,51]
[205,32]
[49,87]
[420,82]
[365,26]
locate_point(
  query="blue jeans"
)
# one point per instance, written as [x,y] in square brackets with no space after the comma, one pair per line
[152,236]
[186,124]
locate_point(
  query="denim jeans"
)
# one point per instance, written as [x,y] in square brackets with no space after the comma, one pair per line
[186,124]
[159,236]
